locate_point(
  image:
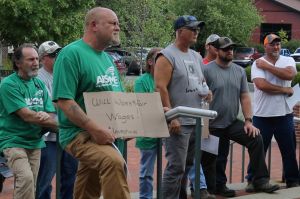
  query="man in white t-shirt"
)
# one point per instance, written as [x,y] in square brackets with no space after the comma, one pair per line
[272,75]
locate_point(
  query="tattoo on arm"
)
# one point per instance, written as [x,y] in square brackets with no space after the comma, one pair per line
[80,115]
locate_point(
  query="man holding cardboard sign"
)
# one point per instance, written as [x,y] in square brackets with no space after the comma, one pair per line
[83,66]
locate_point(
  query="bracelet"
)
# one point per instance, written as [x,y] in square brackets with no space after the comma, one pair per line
[248,119]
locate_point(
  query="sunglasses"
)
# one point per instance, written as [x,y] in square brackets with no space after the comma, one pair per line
[52,55]
[229,48]
[192,29]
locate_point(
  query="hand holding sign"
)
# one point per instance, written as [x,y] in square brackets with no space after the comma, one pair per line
[128,114]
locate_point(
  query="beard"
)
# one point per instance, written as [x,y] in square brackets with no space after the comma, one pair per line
[115,41]
[226,59]
[31,72]
[275,54]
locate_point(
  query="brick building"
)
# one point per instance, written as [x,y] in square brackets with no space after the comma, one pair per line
[277,15]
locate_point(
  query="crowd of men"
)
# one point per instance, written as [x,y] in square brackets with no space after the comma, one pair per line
[35,100]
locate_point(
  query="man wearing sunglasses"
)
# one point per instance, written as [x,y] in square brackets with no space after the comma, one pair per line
[48,51]
[229,85]
[179,79]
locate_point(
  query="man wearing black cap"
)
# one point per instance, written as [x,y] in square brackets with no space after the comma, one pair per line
[272,76]
[229,85]
[179,79]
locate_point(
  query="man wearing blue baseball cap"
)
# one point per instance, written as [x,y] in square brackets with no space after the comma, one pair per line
[180,82]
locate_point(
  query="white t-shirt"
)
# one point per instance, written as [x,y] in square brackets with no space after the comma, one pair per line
[269,105]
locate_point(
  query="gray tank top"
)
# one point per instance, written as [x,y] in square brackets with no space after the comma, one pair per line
[187,85]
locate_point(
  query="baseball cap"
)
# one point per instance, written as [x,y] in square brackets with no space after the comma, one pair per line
[271,38]
[212,38]
[223,42]
[187,21]
[48,47]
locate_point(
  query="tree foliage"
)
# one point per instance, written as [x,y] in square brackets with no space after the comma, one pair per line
[40,20]
[143,22]
[231,18]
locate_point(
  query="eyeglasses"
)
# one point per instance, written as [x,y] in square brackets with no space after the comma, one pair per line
[229,48]
[52,55]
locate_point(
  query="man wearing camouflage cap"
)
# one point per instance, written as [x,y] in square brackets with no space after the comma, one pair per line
[272,75]
[48,51]
[229,85]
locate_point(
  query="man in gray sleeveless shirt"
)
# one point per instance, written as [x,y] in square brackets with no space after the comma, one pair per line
[179,79]
[228,83]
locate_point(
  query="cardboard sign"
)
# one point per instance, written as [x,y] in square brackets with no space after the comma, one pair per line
[128,114]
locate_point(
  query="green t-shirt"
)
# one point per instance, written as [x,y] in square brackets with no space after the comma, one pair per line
[17,93]
[145,84]
[79,68]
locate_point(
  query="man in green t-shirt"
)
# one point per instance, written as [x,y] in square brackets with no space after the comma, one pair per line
[147,146]
[25,108]
[83,66]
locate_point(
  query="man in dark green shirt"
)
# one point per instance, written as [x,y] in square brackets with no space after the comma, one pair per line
[25,108]
[147,146]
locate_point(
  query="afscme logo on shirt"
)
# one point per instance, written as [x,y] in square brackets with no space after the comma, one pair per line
[34,101]
[109,79]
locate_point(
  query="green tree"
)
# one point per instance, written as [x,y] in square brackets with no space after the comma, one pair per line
[283,36]
[233,18]
[36,21]
[143,22]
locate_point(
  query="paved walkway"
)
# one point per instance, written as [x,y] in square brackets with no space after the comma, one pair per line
[133,165]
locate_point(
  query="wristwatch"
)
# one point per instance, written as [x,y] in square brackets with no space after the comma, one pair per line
[249,119]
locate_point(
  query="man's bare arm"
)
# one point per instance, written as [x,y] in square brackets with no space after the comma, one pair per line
[75,114]
[162,76]
[245,100]
[39,118]
[247,112]
[264,85]
[287,73]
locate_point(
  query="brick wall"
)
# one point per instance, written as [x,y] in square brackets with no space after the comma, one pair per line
[297,124]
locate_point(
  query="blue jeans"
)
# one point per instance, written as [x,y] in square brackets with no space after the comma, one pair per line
[192,177]
[68,165]
[147,162]
[47,171]
[282,127]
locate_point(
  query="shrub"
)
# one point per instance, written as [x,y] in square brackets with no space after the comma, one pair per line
[298,67]
[292,45]
[7,64]
[127,84]
[296,79]
[248,73]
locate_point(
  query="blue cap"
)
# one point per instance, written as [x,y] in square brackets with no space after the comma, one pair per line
[187,21]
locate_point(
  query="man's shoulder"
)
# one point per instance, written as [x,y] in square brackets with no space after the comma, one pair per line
[285,58]
[9,80]
[72,47]
[210,66]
